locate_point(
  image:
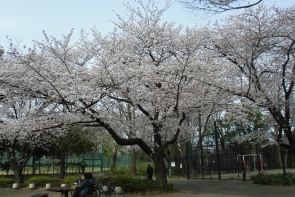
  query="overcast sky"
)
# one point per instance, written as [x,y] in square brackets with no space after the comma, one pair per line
[24,20]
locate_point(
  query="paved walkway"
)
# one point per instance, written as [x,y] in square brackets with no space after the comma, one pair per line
[189,188]
[230,188]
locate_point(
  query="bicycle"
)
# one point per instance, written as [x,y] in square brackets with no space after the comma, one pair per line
[108,190]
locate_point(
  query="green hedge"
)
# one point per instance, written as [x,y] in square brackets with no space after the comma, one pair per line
[273,179]
[129,184]
[6,182]
[40,181]
[136,185]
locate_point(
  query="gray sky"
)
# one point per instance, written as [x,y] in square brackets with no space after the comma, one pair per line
[24,20]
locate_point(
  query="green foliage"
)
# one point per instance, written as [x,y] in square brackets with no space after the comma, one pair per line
[131,185]
[142,156]
[6,182]
[70,180]
[74,166]
[135,185]
[40,181]
[273,179]
[124,171]
[75,141]
[141,169]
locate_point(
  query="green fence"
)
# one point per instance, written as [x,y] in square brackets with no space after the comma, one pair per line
[91,162]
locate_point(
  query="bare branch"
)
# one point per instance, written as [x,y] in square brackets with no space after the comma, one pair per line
[216,6]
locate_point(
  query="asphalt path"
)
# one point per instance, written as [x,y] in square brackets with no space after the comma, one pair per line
[188,188]
[230,188]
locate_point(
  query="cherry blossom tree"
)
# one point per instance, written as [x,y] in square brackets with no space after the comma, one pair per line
[18,142]
[148,64]
[254,59]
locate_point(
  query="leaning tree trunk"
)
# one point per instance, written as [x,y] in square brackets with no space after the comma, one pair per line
[160,169]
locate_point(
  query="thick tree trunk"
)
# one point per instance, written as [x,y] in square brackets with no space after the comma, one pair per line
[17,167]
[133,162]
[160,169]
[18,174]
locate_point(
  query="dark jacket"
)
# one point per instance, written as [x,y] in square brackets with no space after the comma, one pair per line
[86,187]
[149,171]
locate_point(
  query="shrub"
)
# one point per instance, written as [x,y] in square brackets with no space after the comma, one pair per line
[40,181]
[125,171]
[273,179]
[6,182]
[135,185]
[70,180]
[141,169]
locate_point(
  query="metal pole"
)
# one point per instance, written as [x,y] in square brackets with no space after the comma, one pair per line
[244,168]
[101,159]
[258,160]
[187,161]
[243,160]
[202,163]
[217,150]
[238,167]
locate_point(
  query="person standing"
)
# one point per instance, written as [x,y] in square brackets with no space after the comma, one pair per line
[149,172]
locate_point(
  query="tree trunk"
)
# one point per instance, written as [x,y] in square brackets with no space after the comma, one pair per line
[18,174]
[133,162]
[114,156]
[160,169]
[39,166]
[33,165]
[62,168]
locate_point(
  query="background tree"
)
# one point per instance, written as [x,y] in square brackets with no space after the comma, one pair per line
[74,141]
[37,155]
[18,142]
[257,49]
[110,148]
